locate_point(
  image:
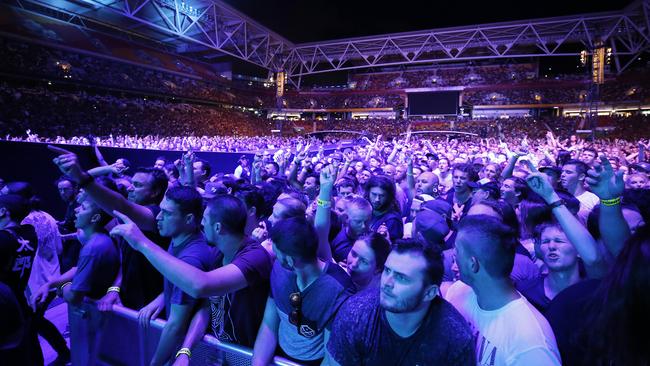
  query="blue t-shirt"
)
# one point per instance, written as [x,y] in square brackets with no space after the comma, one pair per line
[99,261]
[320,302]
[196,251]
[361,335]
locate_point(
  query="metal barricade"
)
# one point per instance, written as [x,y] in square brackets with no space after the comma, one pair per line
[116,338]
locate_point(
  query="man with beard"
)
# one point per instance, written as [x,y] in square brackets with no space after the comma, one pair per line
[380,192]
[406,322]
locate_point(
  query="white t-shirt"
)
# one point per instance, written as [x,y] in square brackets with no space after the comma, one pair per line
[516,334]
[446,181]
[588,201]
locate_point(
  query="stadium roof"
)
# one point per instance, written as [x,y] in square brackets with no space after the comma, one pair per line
[209,29]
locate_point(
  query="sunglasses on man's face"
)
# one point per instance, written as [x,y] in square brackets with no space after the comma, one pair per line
[295,317]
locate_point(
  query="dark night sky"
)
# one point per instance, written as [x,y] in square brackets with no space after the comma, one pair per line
[307,20]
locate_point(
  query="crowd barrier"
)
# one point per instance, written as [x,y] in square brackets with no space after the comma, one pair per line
[116,338]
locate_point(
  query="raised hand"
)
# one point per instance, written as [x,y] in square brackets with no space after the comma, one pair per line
[383,231]
[128,230]
[540,185]
[327,176]
[603,181]
[260,233]
[67,163]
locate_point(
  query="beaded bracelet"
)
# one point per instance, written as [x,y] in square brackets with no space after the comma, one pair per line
[113,289]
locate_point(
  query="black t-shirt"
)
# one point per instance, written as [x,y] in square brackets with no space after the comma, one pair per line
[236,316]
[12,329]
[18,245]
[141,282]
[67,225]
[533,291]
[569,314]
[361,335]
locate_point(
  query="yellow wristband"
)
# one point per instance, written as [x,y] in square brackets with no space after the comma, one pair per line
[611,202]
[184,351]
[323,203]
[113,289]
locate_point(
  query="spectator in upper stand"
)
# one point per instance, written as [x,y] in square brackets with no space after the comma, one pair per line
[588,156]
[572,179]
[405,321]
[386,217]
[305,295]
[201,170]
[509,329]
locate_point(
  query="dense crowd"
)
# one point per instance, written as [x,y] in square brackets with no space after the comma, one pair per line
[403,250]
[50,114]
[445,76]
[516,242]
[32,60]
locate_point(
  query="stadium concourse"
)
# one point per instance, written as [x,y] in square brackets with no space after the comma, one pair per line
[183,185]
